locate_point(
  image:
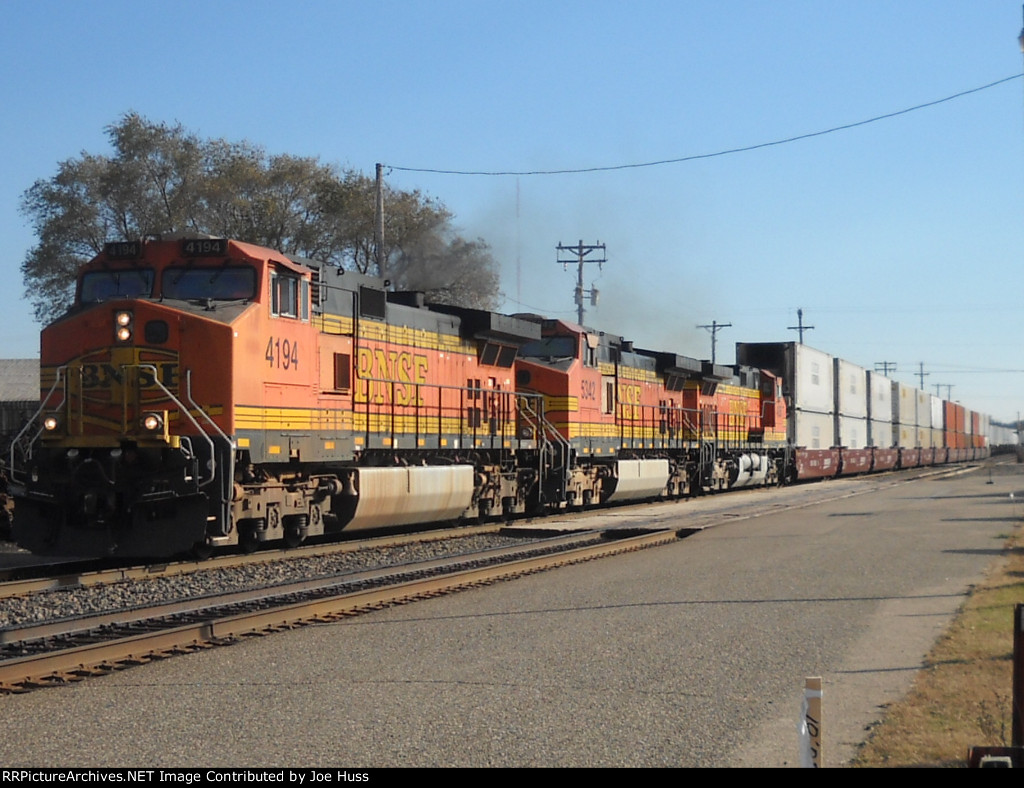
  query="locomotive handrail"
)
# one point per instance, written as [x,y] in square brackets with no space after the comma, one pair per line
[27,453]
[187,414]
[362,402]
[545,429]
[540,418]
[671,426]
[205,415]
[230,475]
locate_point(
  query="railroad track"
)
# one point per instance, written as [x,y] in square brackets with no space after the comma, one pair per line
[41,577]
[35,578]
[58,652]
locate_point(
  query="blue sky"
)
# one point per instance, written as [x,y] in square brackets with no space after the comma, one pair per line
[901,240]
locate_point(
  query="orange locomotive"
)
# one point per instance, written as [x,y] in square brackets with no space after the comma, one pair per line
[205,392]
[639,424]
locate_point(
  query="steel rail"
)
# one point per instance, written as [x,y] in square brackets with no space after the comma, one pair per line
[93,622]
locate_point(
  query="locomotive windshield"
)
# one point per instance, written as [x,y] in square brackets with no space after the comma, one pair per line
[104,285]
[550,347]
[220,284]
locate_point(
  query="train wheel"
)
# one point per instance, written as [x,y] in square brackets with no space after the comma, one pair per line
[296,527]
[202,550]
[248,538]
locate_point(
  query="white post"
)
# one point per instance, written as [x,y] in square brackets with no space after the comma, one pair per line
[810,725]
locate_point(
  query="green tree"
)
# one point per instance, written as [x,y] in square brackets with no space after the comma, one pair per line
[161,179]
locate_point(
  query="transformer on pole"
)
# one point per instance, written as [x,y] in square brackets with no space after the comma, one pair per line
[581,251]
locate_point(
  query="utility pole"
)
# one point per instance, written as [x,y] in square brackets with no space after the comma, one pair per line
[581,250]
[378,226]
[922,374]
[1020,40]
[885,367]
[947,386]
[800,325]
[714,329]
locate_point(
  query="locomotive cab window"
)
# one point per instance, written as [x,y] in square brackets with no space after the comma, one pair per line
[224,283]
[496,355]
[289,296]
[591,343]
[550,348]
[104,285]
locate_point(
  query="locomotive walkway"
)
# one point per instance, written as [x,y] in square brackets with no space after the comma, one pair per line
[692,654]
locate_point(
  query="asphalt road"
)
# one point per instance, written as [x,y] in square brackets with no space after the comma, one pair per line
[692,655]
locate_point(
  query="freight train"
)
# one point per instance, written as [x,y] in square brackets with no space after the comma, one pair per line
[206,393]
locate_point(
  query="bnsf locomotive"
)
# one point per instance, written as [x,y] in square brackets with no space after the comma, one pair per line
[206,393]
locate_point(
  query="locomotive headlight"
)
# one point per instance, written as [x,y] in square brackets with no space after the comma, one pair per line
[123,326]
[50,423]
[153,422]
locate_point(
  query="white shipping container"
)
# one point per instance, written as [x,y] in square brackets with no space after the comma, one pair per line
[924,408]
[852,432]
[851,390]
[906,435]
[812,430]
[904,405]
[813,387]
[879,400]
[937,417]
[880,434]
[808,375]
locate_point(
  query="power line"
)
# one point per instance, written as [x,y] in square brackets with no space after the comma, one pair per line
[955,371]
[541,310]
[695,157]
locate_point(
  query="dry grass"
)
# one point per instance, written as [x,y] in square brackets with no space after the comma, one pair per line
[962,698]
